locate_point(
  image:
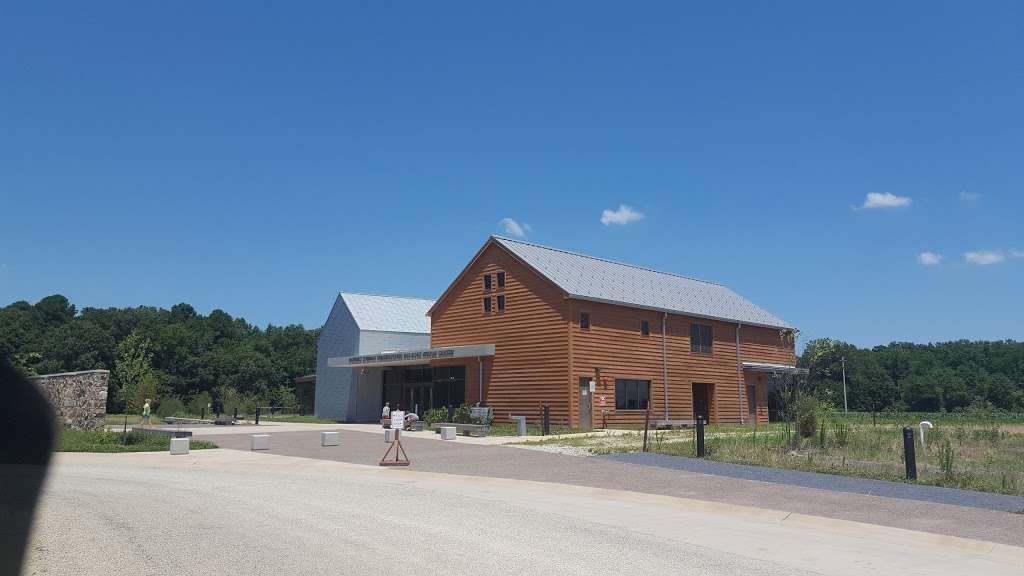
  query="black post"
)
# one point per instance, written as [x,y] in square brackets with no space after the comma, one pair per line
[257,415]
[451,413]
[236,414]
[908,453]
[700,437]
[647,424]
[202,414]
[546,429]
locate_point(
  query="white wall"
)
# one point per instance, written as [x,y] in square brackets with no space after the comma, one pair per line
[338,337]
[346,393]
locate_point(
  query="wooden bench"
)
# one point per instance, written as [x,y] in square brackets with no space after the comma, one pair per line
[178,420]
[477,430]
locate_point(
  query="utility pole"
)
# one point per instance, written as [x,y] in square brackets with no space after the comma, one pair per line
[846,408]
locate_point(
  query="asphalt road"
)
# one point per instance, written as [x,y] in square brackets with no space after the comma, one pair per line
[458,457]
[225,511]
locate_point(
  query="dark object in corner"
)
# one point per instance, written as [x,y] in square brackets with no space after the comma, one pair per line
[27,433]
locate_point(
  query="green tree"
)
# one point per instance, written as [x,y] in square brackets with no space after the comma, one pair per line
[133,372]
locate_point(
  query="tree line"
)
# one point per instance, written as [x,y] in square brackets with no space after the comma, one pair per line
[184,359]
[179,358]
[942,377]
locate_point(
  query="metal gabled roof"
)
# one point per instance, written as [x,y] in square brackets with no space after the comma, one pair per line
[389,313]
[588,278]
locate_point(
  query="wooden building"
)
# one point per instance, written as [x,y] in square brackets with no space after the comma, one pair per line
[600,341]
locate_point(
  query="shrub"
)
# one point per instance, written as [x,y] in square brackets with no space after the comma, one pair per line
[170,407]
[436,415]
[807,409]
[198,404]
[462,414]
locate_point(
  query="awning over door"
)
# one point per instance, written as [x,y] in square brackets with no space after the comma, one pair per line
[411,357]
[773,368]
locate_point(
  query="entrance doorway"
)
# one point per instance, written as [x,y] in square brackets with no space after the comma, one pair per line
[424,387]
[752,403]
[586,405]
[702,402]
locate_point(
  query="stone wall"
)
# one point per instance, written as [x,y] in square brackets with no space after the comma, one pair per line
[78,398]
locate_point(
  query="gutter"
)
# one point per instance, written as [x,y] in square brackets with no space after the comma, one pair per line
[664,362]
[739,371]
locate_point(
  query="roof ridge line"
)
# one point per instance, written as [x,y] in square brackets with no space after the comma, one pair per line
[581,255]
[386,296]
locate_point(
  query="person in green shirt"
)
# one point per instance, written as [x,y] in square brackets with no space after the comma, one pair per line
[145,412]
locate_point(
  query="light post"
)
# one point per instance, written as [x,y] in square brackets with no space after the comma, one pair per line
[846,408]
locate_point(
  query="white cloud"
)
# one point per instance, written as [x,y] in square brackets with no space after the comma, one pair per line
[624,215]
[885,200]
[929,258]
[966,196]
[513,228]
[984,257]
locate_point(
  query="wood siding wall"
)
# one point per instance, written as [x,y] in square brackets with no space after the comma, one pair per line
[531,344]
[615,344]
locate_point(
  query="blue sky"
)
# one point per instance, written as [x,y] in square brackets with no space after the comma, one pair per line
[260,157]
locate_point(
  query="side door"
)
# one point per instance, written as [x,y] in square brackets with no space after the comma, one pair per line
[586,405]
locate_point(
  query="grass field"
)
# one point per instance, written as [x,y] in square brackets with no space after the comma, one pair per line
[103,441]
[531,430]
[984,456]
[118,419]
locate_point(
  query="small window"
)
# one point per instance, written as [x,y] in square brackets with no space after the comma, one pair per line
[632,394]
[501,302]
[584,320]
[487,281]
[501,279]
[487,304]
[645,328]
[700,338]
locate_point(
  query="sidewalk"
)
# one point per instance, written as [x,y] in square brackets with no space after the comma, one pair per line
[269,427]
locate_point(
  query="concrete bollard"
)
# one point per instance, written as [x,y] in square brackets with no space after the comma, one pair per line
[520,422]
[389,435]
[328,438]
[179,446]
[447,432]
[260,442]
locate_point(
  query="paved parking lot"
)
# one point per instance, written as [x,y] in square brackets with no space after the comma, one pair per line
[242,512]
[465,458]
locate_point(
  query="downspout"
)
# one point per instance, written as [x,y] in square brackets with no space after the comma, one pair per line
[739,371]
[664,362]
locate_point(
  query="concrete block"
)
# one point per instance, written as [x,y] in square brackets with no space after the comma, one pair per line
[328,438]
[447,432]
[179,446]
[261,442]
[389,435]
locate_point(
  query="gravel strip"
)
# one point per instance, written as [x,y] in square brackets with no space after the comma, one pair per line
[923,493]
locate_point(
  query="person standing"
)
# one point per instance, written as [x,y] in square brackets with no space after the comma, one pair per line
[385,415]
[145,413]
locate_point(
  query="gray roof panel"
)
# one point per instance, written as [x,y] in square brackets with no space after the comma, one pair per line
[589,278]
[389,313]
